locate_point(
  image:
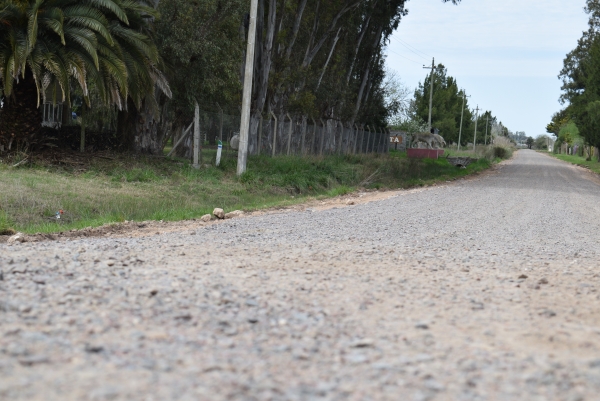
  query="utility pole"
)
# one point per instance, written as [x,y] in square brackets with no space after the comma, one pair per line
[431,90]
[462,112]
[487,117]
[475,134]
[246,97]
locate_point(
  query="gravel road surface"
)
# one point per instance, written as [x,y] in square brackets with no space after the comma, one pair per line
[480,289]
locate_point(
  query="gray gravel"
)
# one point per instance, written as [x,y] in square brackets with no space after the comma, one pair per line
[480,289]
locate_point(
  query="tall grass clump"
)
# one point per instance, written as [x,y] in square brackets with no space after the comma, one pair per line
[5,224]
[502,148]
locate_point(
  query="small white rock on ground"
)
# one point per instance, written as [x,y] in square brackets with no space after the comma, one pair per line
[485,289]
[219,213]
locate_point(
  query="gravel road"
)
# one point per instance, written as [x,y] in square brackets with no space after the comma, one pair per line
[480,289]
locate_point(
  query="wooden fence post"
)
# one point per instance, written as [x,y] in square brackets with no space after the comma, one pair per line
[274,135]
[368,139]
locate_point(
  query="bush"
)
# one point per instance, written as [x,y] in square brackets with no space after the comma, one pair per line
[501,149]
[500,152]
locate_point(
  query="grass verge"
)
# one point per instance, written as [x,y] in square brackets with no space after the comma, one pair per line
[593,165]
[94,190]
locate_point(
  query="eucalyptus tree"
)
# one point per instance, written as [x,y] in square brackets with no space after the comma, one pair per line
[201,43]
[49,48]
[323,59]
[581,82]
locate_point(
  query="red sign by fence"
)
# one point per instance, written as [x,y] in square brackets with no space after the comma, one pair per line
[424,153]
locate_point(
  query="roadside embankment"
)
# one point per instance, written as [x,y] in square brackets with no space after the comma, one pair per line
[93,190]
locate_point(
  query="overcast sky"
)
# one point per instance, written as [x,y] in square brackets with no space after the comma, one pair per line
[505,54]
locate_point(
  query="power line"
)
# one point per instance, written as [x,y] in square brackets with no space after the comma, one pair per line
[410,46]
[398,54]
[405,45]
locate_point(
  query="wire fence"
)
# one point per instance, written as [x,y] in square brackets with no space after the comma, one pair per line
[291,135]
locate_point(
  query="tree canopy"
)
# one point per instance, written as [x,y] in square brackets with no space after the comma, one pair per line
[50,47]
[581,82]
[447,106]
[314,59]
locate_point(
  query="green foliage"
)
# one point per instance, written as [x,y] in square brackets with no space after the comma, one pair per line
[100,51]
[592,165]
[409,125]
[500,152]
[581,81]
[447,106]
[6,225]
[529,142]
[104,46]
[541,142]
[569,134]
[559,119]
[201,44]
[447,109]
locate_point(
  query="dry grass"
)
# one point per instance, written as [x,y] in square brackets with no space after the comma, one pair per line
[98,190]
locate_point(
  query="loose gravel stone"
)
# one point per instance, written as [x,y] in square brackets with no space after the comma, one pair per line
[469,290]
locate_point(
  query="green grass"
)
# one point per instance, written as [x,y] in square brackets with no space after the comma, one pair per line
[593,164]
[146,188]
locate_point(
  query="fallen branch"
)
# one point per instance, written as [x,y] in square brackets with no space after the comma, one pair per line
[21,162]
[369,179]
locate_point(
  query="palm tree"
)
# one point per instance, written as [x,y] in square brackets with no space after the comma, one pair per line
[49,47]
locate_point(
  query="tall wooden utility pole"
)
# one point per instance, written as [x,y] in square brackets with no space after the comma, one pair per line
[475,134]
[246,98]
[430,90]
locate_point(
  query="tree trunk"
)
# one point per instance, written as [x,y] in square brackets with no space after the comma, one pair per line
[356,48]
[296,28]
[140,130]
[20,118]
[337,37]
[332,26]
[262,72]
[82,137]
[366,78]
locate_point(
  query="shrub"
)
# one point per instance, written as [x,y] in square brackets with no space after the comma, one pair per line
[500,152]
[502,149]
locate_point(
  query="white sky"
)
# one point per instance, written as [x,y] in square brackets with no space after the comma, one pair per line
[506,54]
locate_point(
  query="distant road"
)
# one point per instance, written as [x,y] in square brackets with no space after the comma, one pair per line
[485,288]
